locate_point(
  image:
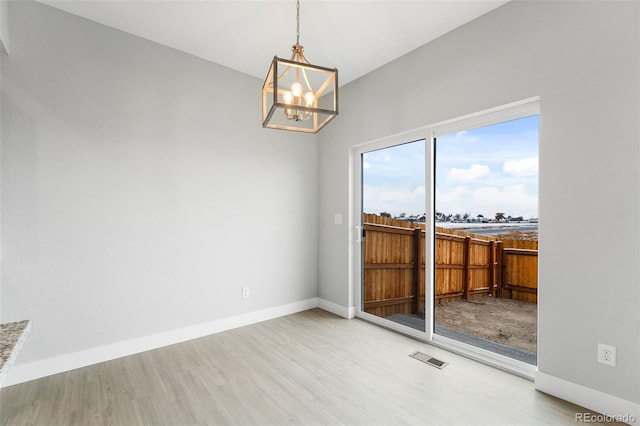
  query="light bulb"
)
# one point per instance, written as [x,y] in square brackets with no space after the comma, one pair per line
[296,89]
[287,97]
[309,97]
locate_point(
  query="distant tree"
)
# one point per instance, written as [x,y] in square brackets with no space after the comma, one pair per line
[480,216]
[465,216]
[385,214]
[500,216]
[457,216]
[402,215]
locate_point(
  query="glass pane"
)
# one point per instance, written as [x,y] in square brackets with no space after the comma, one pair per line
[486,237]
[393,205]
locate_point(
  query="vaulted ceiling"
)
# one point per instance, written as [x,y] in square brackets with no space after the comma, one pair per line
[354,36]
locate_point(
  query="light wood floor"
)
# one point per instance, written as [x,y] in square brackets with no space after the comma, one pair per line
[311,368]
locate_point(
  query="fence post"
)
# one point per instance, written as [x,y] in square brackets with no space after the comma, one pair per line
[467,268]
[417,233]
[499,272]
[492,267]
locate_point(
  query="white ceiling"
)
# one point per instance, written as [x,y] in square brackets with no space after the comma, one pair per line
[354,36]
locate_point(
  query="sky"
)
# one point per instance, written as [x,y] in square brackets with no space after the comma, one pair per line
[479,171]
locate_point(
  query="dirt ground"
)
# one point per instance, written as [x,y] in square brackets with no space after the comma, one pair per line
[505,321]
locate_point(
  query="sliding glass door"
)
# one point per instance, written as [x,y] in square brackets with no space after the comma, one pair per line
[486,237]
[416,274]
[391,234]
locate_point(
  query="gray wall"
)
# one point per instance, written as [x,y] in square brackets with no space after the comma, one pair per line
[582,59]
[4,26]
[139,190]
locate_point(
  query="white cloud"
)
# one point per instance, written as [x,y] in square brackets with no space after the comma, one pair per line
[521,168]
[465,136]
[475,172]
[513,200]
[394,200]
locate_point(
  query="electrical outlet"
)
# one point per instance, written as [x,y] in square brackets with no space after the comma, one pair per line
[245,292]
[607,354]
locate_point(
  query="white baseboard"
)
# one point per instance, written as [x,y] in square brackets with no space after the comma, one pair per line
[608,405]
[34,370]
[347,312]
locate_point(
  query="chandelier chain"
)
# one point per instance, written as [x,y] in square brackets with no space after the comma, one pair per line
[297,21]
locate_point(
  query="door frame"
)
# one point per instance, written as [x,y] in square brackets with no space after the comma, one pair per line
[511,111]
[357,152]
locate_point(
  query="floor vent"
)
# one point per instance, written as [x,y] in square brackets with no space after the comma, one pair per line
[427,359]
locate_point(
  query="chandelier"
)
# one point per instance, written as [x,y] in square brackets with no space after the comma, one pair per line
[297,95]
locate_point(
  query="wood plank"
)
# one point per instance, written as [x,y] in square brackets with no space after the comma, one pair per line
[461,266]
[388,302]
[466,273]
[447,237]
[521,252]
[521,288]
[447,266]
[417,233]
[500,269]
[492,266]
[448,295]
[387,229]
[388,266]
[306,368]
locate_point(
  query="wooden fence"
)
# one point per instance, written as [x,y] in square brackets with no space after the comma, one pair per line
[465,265]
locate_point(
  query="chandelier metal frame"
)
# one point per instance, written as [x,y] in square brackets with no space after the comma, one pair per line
[289,100]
